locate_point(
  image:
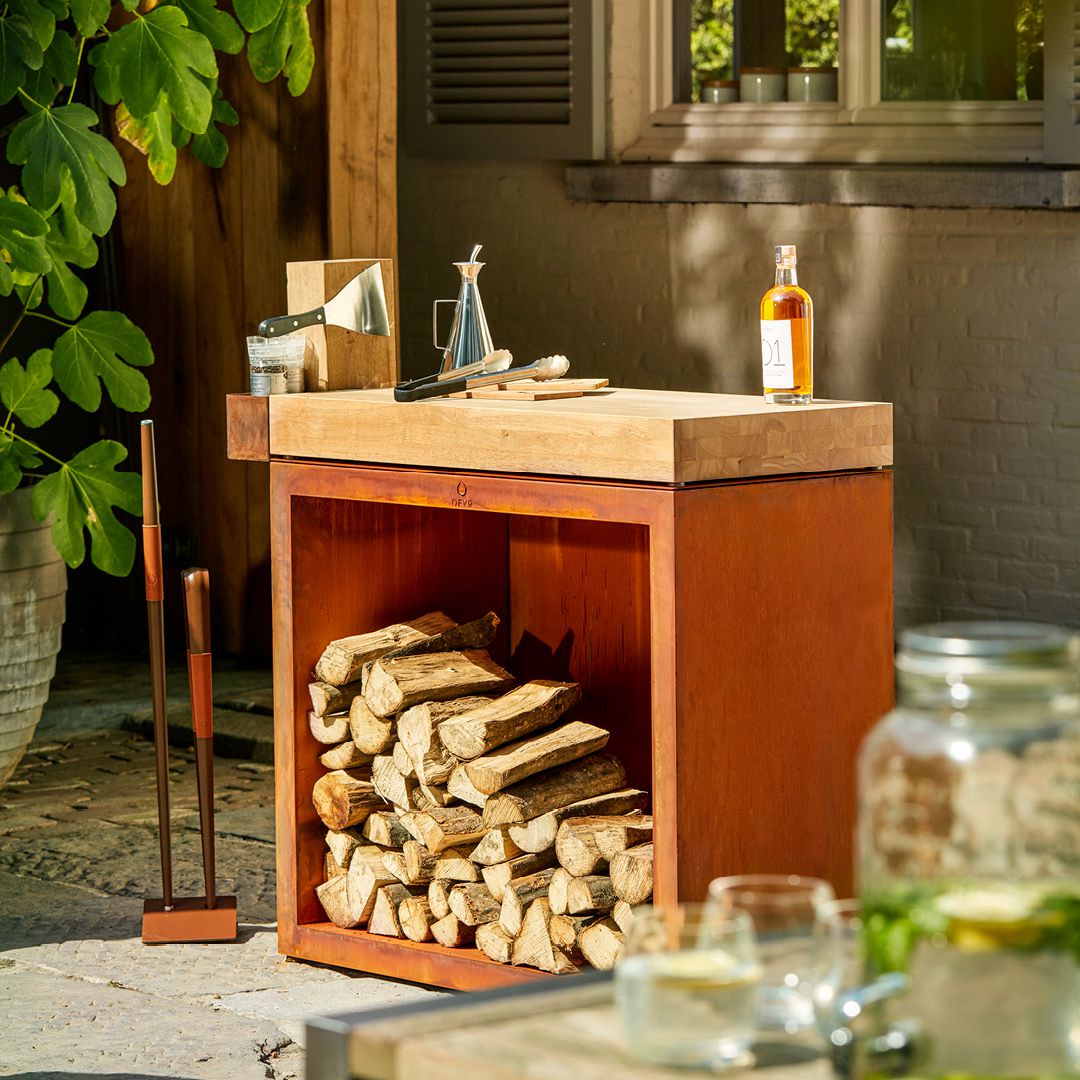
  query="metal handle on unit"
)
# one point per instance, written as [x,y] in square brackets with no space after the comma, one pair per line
[435,322]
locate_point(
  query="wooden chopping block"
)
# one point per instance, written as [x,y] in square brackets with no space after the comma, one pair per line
[531,390]
[340,359]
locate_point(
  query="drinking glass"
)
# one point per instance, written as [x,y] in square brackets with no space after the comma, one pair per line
[686,985]
[784,913]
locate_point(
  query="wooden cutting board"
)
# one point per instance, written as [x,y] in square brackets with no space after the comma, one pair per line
[569,1029]
[657,436]
[531,390]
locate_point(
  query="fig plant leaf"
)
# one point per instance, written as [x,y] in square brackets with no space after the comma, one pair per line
[102,348]
[255,14]
[283,46]
[24,392]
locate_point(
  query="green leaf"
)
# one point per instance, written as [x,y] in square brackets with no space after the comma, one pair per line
[217,26]
[58,69]
[255,14]
[30,292]
[39,18]
[51,140]
[103,346]
[24,392]
[20,53]
[22,238]
[90,15]
[68,242]
[153,136]
[154,53]
[211,148]
[15,457]
[284,45]
[81,495]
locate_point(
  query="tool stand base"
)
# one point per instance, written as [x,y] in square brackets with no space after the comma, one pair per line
[189,920]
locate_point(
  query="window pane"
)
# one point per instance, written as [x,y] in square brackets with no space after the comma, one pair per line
[962,50]
[728,34]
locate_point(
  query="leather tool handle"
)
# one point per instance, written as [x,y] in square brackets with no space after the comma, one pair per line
[197,609]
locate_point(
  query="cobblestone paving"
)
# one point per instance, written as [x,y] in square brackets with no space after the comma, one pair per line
[79,994]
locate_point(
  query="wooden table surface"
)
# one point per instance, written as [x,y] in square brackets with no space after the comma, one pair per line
[569,1029]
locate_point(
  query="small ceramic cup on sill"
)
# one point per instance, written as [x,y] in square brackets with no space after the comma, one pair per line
[719,91]
[812,84]
[762,84]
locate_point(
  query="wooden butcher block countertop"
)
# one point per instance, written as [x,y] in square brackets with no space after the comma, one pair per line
[656,436]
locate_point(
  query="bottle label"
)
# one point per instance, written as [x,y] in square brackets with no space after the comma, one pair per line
[777,355]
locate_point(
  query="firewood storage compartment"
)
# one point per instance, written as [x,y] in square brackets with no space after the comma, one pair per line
[715,572]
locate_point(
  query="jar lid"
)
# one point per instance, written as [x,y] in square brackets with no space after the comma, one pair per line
[974,647]
[719,82]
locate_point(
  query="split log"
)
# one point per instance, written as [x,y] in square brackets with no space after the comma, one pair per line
[455,865]
[602,944]
[384,915]
[349,899]
[565,929]
[372,734]
[342,844]
[461,787]
[632,874]
[518,760]
[495,877]
[438,895]
[394,862]
[477,634]
[496,847]
[331,867]
[539,834]
[402,762]
[414,915]
[535,705]
[623,914]
[343,660]
[596,774]
[327,699]
[390,784]
[441,828]
[345,755]
[533,946]
[588,894]
[418,730]
[426,797]
[474,904]
[518,895]
[342,799]
[419,863]
[494,942]
[558,890]
[330,729]
[399,683]
[452,932]
[384,827]
[585,844]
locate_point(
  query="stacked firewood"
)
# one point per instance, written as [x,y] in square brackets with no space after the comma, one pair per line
[463,808]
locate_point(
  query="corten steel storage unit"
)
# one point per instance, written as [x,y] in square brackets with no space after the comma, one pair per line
[734,632]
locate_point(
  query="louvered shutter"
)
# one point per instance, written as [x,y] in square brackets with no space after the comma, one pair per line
[1061,97]
[504,78]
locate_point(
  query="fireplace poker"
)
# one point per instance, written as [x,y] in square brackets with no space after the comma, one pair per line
[197,609]
[155,617]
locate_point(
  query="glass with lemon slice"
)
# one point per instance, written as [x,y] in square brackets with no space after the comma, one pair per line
[687,986]
[969,848]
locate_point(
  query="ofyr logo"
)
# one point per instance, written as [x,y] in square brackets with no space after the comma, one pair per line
[463,501]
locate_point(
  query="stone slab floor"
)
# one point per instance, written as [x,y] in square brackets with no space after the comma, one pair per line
[79,994]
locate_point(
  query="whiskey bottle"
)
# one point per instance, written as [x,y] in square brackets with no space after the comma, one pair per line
[787,336]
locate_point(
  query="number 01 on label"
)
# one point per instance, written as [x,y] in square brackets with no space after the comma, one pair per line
[777,355]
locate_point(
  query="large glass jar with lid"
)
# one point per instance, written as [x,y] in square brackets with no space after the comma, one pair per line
[969,847]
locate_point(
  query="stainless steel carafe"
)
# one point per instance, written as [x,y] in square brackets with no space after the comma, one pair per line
[470,339]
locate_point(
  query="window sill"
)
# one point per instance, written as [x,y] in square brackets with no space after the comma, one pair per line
[1027,187]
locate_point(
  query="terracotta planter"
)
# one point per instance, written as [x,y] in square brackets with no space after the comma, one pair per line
[33,584]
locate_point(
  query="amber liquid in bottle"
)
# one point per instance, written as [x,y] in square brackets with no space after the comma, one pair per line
[787,336]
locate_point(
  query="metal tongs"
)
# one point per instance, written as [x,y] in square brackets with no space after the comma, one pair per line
[499,360]
[455,382]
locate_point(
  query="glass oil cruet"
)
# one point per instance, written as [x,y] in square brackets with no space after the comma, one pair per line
[969,849]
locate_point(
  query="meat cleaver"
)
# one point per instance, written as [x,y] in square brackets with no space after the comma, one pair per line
[359,306]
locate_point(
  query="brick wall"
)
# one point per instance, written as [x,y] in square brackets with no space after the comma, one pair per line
[969,321]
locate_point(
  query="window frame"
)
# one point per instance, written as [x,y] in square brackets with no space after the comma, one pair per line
[860,128]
